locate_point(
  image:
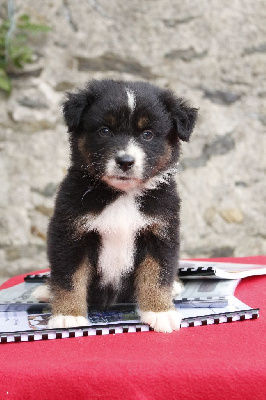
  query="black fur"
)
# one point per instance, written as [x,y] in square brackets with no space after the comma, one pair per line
[100,104]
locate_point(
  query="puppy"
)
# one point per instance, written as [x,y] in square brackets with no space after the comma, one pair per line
[114,236]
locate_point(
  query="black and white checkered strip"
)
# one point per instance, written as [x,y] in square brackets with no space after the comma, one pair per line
[19,302]
[115,329]
[215,298]
[196,270]
[30,336]
[220,318]
[37,277]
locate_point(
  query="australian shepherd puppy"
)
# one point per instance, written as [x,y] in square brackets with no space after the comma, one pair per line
[114,236]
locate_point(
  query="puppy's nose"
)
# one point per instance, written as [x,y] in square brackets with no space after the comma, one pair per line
[125,162]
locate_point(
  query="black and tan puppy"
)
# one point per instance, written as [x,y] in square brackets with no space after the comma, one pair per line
[114,236]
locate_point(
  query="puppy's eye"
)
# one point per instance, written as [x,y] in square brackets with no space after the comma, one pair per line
[104,132]
[147,135]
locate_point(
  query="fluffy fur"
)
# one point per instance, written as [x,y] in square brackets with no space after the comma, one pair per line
[114,236]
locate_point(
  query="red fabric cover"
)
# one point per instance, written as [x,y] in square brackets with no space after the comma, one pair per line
[221,362]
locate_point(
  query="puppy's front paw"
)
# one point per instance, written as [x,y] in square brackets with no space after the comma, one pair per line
[67,321]
[163,321]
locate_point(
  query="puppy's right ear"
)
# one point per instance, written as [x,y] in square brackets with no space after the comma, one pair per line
[183,116]
[74,107]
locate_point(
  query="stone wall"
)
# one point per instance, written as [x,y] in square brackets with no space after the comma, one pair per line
[211,52]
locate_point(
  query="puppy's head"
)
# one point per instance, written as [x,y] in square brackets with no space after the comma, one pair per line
[126,133]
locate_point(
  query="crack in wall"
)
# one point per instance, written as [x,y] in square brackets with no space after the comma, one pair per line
[69,16]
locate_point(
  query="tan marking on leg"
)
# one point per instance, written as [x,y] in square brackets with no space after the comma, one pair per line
[151,295]
[74,301]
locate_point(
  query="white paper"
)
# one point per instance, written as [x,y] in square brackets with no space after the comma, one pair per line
[21,321]
[221,270]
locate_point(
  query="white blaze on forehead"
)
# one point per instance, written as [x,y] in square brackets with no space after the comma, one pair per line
[131,99]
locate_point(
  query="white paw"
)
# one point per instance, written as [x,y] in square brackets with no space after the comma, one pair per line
[178,288]
[42,293]
[163,321]
[67,321]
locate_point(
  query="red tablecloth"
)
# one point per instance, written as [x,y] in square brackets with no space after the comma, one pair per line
[226,361]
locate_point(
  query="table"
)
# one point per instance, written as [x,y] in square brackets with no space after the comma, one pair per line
[226,361]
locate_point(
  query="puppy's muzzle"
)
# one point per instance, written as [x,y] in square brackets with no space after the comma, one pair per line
[125,162]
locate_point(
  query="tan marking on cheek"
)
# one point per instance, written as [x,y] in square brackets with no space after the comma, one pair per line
[151,295]
[74,301]
[165,158]
[85,155]
[81,145]
[142,122]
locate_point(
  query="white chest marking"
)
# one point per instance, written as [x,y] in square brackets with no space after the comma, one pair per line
[118,224]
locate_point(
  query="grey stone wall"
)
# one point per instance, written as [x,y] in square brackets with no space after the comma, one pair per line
[209,51]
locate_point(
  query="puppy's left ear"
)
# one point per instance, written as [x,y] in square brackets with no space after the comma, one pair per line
[74,108]
[184,117]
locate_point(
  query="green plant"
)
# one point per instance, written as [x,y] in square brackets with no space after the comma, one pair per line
[14,50]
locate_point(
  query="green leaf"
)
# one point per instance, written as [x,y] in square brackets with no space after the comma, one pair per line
[2,63]
[21,37]
[24,18]
[2,41]
[5,83]
[20,55]
[34,28]
[24,23]
[15,51]
[5,25]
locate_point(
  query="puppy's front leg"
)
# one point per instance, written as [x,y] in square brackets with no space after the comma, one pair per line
[69,306]
[155,298]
